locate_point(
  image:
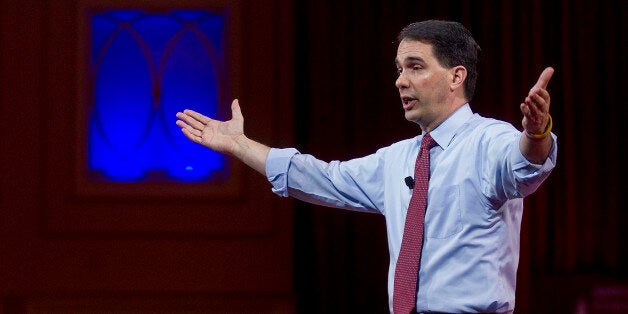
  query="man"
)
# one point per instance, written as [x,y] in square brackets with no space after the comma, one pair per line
[453,242]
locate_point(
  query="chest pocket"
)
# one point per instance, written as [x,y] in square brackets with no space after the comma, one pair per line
[442,218]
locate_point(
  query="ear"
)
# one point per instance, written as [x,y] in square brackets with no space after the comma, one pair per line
[459,75]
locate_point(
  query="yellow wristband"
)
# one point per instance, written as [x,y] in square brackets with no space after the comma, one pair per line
[543,135]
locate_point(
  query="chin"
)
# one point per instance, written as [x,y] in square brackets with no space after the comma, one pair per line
[411,116]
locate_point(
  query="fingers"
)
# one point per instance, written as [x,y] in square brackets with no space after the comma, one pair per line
[197,116]
[193,136]
[535,110]
[187,128]
[199,121]
[544,78]
[535,107]
[194,125]
[525,109]
[538,99]
[193,119]
[532,112]
[190,126]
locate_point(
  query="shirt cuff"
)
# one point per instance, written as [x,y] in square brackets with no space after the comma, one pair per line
[520,162]
[277,165]
[529,175]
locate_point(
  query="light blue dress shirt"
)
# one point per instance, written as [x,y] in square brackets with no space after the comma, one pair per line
[474,208]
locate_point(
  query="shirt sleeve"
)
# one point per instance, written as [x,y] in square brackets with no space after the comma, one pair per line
[506,173]
[277,164]
[356,184]
[528,176]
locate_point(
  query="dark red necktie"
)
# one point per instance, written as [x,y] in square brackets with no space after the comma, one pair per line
[407,268]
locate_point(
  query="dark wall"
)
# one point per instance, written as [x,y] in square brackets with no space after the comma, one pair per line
[70,244]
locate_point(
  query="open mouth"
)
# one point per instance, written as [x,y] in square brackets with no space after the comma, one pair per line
[408,102]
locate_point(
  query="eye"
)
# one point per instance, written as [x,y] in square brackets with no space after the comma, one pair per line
[399,70]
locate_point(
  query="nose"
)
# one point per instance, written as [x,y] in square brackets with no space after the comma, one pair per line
[402,81]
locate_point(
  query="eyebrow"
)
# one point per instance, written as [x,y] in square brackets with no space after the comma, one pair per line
[410,59]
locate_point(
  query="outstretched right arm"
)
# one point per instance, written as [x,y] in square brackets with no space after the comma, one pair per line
[224,136]
[350,185]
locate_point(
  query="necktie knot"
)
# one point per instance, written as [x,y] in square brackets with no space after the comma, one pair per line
[427,142]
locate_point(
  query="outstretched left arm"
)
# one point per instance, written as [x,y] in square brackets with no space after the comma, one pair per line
[536,143]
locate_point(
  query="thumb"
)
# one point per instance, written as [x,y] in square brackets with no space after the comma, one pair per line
[236,113]
[544,78]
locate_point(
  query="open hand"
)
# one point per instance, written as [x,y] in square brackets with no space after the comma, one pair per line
[220,136]
[535,108]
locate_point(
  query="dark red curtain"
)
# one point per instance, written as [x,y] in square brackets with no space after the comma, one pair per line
[574,228]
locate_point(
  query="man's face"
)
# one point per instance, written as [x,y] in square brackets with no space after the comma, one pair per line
[423,84]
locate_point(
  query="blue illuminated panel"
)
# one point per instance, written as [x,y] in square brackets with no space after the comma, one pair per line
[144,68]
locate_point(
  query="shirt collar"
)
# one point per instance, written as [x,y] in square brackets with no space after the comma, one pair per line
[445,132]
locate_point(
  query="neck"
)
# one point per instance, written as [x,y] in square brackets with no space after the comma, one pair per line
[448,108]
